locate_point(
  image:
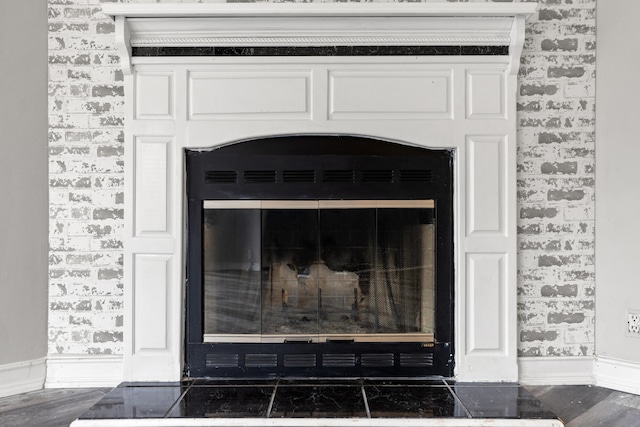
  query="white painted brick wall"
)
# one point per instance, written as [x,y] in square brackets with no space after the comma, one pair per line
[556,168]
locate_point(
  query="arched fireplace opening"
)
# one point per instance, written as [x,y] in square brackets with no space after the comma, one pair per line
[319,255]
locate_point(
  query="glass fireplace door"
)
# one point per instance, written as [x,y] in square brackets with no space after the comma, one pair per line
[318,271]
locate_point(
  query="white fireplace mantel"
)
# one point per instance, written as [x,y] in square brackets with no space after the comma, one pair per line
[322,24]
[465,103]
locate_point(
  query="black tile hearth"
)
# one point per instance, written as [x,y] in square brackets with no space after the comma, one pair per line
[405,382]
[139,401]
[224,402]
[318,401]
[313,398]
[400,401]
[319,382]
[500,401]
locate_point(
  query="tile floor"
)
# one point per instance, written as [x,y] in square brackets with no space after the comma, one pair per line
[576,405]
[326,398]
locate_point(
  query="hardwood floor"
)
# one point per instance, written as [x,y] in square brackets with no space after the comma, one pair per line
[48,408]
[590,406]
[577,406]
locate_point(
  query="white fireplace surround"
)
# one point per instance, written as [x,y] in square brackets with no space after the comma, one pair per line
[467,103]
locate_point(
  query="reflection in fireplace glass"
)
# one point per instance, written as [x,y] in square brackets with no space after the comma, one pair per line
[347,270]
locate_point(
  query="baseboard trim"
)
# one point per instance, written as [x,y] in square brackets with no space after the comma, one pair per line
[22,377]
[578,370]
[84,371]
[617,374]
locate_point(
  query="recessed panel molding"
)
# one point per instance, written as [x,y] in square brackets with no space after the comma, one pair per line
[154,98]
[151,185]
[389,95]
[486,176]
[151,286]
[486,281]
[486,94]
[249,95]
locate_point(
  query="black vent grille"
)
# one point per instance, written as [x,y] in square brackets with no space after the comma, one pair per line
[416,360]
[339,176]
[221,360]
[377,176]
[221,177]
[260,177]
[339,360]
[298,176]
[261,360]
[300,360]
[309,176]
[416,175]
[377,360]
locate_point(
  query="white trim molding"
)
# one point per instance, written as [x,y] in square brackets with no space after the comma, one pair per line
[575,370]
[321,24]
[467,104]
[320,10]
[617,374]
[22,377]
[84,371]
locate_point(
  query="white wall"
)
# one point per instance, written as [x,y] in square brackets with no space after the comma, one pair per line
[617,178]
[23,184]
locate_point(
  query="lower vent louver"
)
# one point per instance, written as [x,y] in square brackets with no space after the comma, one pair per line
[261,360]
[416,360]
[221,360]
[299,360]
[339,360]
[377,360]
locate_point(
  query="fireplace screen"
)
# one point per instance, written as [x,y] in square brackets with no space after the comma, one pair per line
[318,270]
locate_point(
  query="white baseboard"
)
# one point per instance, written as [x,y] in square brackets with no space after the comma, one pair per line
[84,371]
[617,375]
[21,377]
[576,370]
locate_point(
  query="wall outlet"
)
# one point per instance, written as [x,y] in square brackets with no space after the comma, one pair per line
[633,323]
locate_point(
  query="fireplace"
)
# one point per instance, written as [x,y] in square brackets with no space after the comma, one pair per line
[244,120]
[319,255]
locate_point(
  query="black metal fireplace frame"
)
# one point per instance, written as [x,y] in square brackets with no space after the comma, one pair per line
[320,167]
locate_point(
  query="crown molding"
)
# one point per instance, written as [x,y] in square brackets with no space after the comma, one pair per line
[444,9]
[322,24]
[439,40]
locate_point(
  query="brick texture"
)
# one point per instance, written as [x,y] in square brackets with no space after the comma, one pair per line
[556,116]
[86,105]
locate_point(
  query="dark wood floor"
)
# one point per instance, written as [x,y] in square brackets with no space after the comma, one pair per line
[577,406]
[590,406]
[48,408]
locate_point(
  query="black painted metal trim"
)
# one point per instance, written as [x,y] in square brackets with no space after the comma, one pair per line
[319,152]
[151,51]
[233,360]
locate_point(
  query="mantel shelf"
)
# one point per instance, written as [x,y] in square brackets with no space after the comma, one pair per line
[320,10]
[323,24]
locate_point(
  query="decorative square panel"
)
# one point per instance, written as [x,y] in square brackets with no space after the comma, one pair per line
[485,94]
[154,99]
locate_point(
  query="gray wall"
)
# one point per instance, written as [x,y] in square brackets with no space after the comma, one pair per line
[617,178]
[23,180]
